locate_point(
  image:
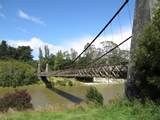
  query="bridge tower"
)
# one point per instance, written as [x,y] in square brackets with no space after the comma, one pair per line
[142,15]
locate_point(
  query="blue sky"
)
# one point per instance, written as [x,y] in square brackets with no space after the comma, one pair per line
[61,24]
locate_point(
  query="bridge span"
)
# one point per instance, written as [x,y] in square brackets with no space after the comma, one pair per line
[119,71]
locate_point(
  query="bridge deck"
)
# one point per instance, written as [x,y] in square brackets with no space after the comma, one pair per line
[104,71]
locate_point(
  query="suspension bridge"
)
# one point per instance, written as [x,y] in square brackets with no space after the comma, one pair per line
[90,71]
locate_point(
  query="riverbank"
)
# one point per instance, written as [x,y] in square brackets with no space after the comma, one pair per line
[65,97]
[118,110]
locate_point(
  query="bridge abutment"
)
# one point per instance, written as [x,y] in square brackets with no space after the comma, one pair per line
[44,76]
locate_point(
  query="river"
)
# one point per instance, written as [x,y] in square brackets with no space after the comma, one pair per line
[66,96]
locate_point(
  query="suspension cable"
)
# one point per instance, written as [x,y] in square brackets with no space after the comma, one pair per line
[119,10]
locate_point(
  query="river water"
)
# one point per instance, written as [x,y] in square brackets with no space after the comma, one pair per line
[65,95]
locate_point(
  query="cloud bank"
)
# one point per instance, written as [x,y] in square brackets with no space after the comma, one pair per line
[35,43]
[76,43]
[79,43]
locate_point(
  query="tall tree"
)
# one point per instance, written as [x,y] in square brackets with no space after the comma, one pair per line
[40,54]
[46,51]
[73,54]
[113,57]
[59,60]
[3,50]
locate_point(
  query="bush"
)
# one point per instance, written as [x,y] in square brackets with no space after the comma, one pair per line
[62,81]
[70,83]
[19,100]
[94,96]
[14,73]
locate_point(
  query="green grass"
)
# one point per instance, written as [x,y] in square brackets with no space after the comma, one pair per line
[122,110]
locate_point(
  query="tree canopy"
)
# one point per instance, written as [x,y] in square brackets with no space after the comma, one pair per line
[63,59]
[22,53]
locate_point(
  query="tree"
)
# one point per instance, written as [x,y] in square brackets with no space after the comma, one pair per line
[3,50]
[46,52]
[59,60]
[24,53]
[52,62]
[90,53]
[40,54]
[15,73]
[113,58]
[73,54]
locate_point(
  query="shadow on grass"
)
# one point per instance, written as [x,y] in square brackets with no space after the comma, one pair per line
[66,95]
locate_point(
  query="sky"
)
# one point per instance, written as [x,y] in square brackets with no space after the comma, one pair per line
[63,24]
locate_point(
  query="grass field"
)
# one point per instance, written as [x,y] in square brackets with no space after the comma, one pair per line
[119,110]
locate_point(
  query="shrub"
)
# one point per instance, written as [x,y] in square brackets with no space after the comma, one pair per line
[94,96]
[14,73]
[19,100]
[70,83]
[62,81]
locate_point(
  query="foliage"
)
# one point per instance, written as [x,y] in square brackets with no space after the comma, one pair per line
[63,81]
[94,96]
[14,73]
[63,60]
[22,53]
[40,54]
[19,100]
[120,110]
[147,60]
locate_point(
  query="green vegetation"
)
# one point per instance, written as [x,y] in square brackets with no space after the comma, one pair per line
[62,59]
[17,67]
[147,60]
[122,110]
[94,96]
[14,73]
[22,53]
[59,81]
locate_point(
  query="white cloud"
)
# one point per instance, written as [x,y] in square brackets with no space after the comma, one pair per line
[35,43]
[34,19]
[79,43]
[2,15]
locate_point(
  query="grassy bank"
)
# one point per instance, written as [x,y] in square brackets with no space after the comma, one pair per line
[122,110]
